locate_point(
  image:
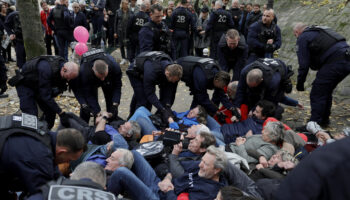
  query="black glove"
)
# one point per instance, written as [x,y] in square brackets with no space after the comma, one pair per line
[3,88]
[300,86]
[114,110]
[221,117]
[64,119]
[168,108]
[86,110]
[269,48]
[165,115]
[235,113]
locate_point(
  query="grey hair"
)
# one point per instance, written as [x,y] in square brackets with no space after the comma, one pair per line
[202,128]
[220,157]
[90,170]
[286,156]
[135,130]
[255,76]
[219,3]
[276,131]
[127,160]
[143,5]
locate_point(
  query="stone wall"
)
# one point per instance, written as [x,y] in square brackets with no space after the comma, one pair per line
[334,14]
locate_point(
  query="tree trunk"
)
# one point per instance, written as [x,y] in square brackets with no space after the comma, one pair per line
[33,35]
[270,4]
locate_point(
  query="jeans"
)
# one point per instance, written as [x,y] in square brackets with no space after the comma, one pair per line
[141,182]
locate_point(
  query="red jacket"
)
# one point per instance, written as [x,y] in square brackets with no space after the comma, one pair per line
[43,16]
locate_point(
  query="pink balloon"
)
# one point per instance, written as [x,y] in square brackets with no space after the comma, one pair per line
[81,34]
[80,48]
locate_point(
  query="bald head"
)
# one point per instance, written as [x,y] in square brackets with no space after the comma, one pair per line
[69,71]
[299,28]
[254,77]
[268,17]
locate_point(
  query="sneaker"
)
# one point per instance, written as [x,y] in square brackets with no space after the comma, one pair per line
[123,62]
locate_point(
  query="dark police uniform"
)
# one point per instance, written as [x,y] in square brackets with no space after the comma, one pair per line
[113,6]
[97,20]
[252,17]
[134,26]
[236,17]
[155,37]
[39,84]
[27,155]
[86,85]
[322,49]
[258,35]
[181,23]
[148,71]
[3,69]
[234,59]
[198,74]
[219,22]
[273,87]
[13,26]
[61,22]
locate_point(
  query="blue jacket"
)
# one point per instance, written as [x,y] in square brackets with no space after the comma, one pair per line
[256,44]
[183,120]
[67,19]
[28,160]
[230,59]
[146,38]
[322,175]
[85,86]
[153,77]
[214,18]
[304,57]
[231,131]
[80,20]
[176,20]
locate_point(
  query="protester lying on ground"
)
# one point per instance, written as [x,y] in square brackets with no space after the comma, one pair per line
[232,193]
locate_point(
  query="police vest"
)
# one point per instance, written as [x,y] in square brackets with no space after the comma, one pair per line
[74,189]
[221,20]
[269,67]
[324,41]
[58,16]
[161,37]
[89,57]
[182,19]
[141,18]
[154,56]
[31,76]
[24,124]
[189,62]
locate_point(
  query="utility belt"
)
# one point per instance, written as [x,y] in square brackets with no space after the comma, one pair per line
[342,56]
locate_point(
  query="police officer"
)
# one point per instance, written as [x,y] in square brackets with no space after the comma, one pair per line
[264,37]
[30,154]
[111,6]
[151,69]
[61,22]
[98,69]
[322,49]
[154,35]
[181,23]
[219,22]
[264,79]
[232,53]
[13,27]
[40,81]
[97,7]
[252,17]
[201,74]
[87,181]
[135,24]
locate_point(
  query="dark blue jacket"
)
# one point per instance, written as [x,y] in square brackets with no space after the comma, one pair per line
[256,43]
[44,88]
[322,175]
[67,20]
[85,86]
[80,20]
[10,26]
[304,57]
[135,24]
[268,91]
[189,23]
[146,40]
[100,4]
[213,21]
[231,131]
[154,77]
[29,160]
[230,59]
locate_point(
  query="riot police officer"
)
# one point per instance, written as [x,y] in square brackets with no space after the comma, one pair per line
[30,154]
[322,49]
[181,23]
[40,81]
[264,37]
[219,22]
[61,22]
[98,69]
[264,79]
[151,69]
[135,24]
[201,74]
[232,53]
[13,27]
[155,35]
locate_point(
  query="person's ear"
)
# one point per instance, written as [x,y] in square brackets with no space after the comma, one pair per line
[217,170]
[61,150]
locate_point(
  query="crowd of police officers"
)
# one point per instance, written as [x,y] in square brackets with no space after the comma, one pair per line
[163,55]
